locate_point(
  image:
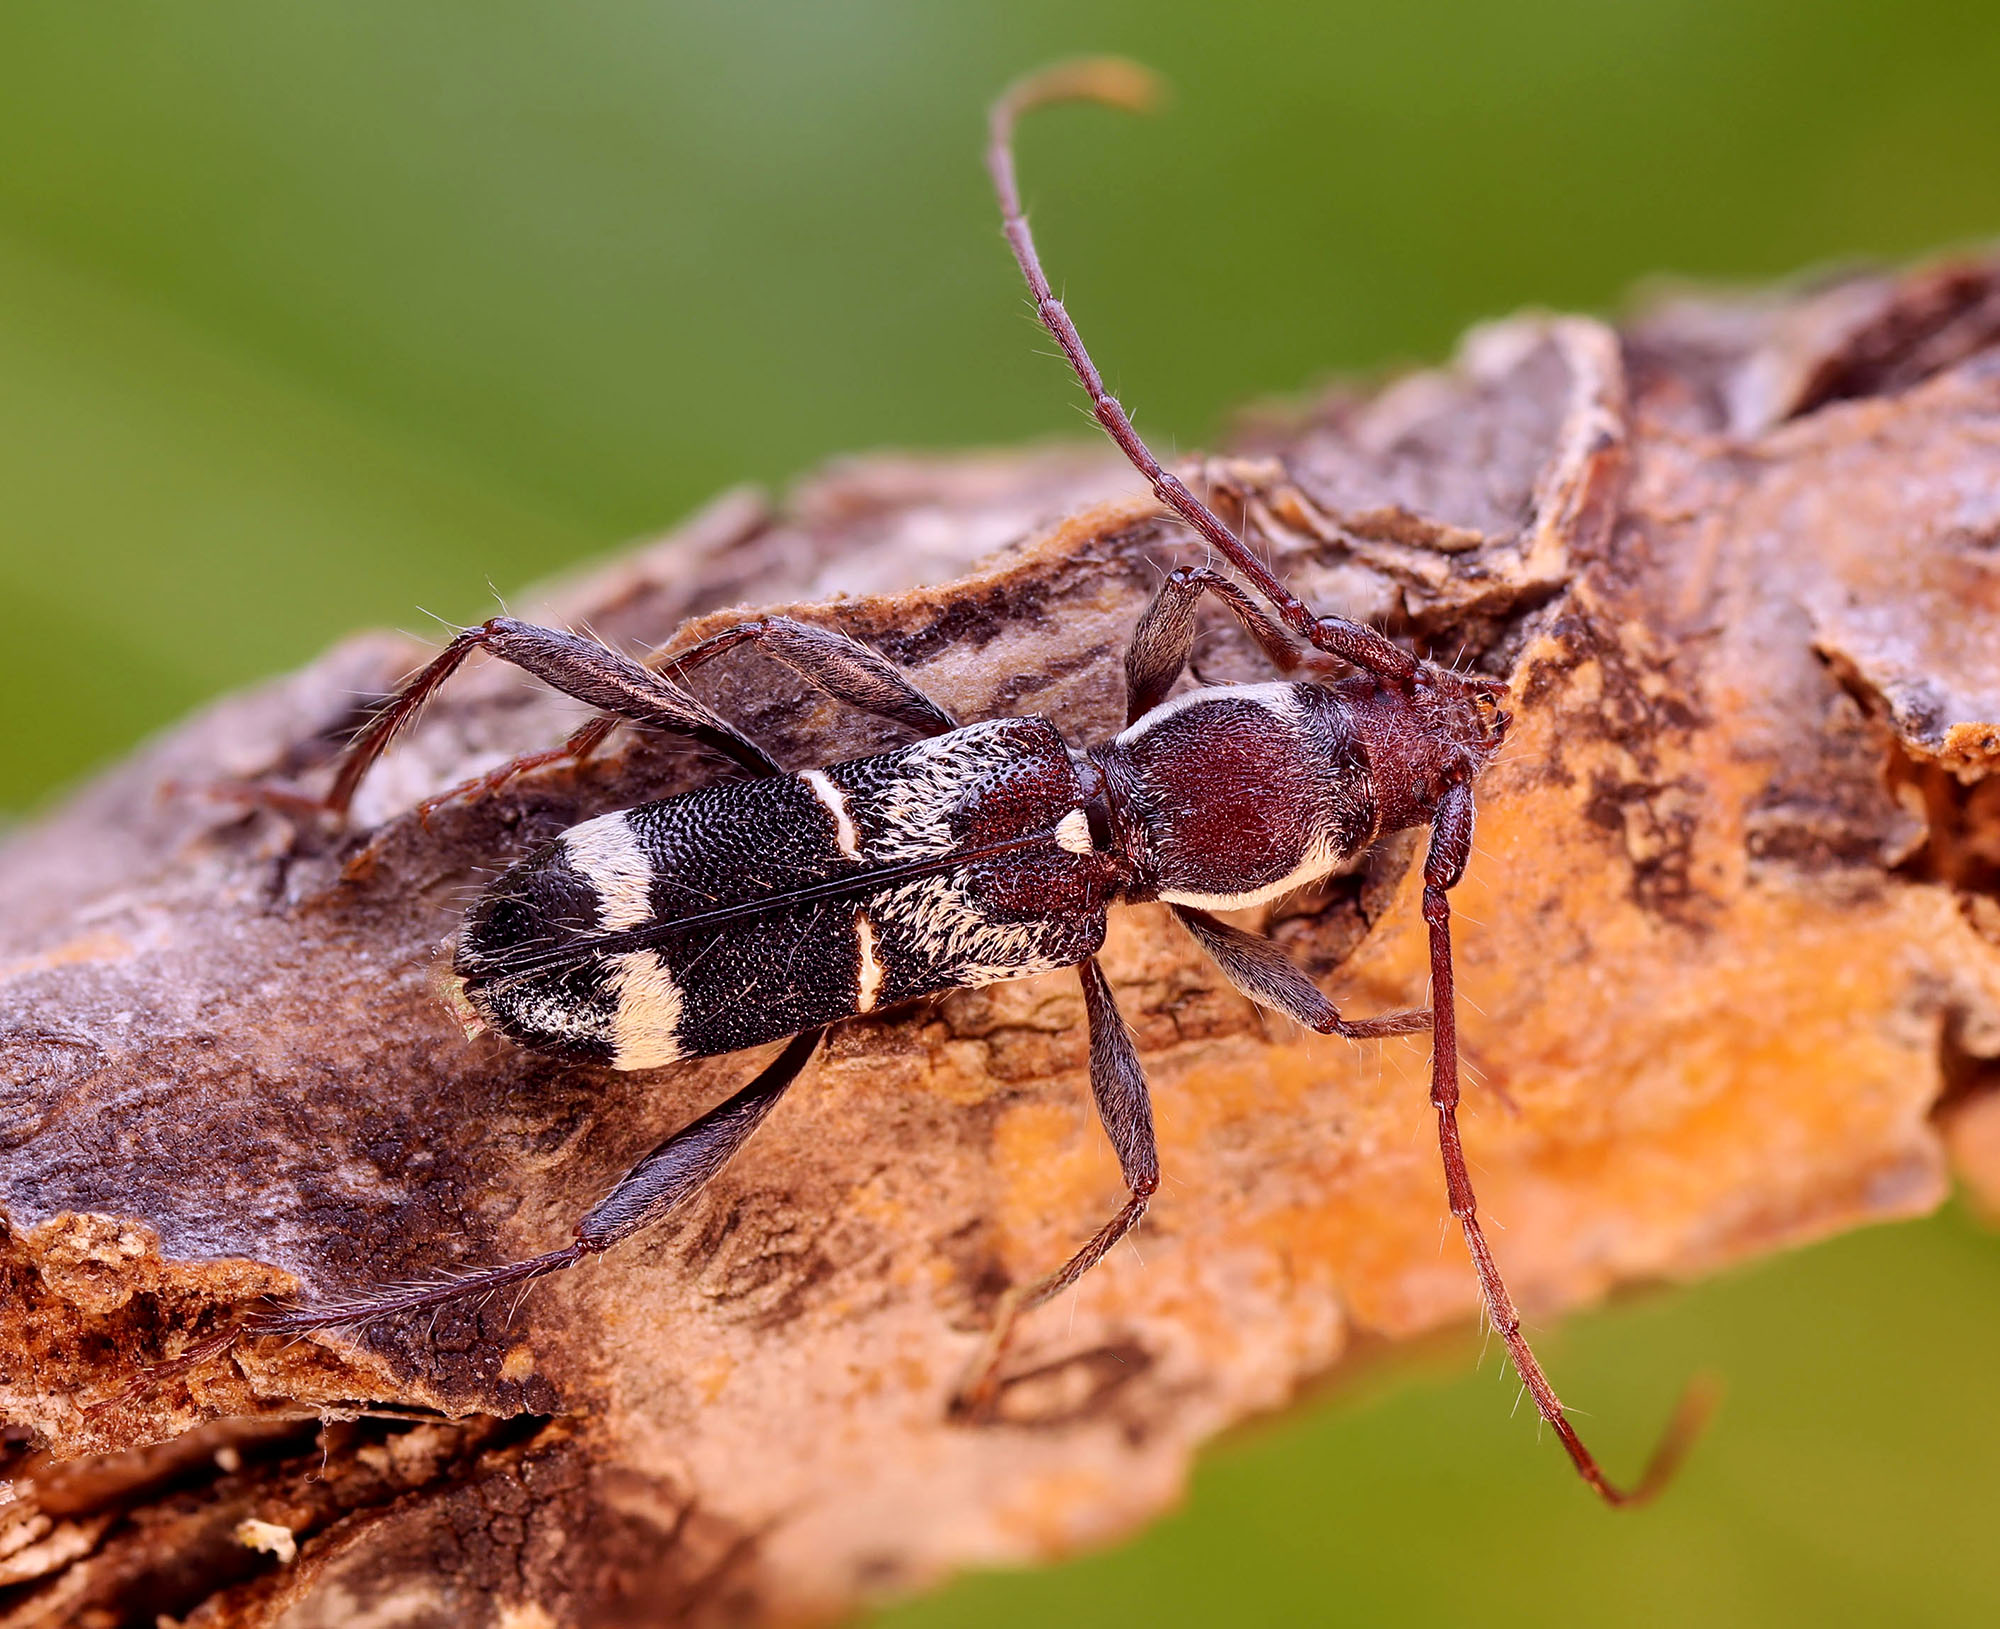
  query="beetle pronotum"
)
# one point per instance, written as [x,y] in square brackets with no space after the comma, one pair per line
[982,852]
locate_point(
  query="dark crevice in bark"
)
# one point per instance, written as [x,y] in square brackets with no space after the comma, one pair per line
[168,1522]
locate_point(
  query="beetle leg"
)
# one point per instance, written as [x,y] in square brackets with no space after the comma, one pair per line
[660,1183]
[576,666]
[841,666]
[1451,847]
[1262,971]
[579,667]
[1163,640]
[1125,1109]
[683,1165]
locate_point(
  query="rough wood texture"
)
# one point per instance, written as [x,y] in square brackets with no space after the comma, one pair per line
[1734,945]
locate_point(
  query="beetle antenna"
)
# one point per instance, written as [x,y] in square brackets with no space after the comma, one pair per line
[1120,83]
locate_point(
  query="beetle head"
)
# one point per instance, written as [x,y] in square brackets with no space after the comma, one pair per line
[1465,708]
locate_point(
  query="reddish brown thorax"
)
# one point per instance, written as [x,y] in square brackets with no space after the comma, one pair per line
[1226,797]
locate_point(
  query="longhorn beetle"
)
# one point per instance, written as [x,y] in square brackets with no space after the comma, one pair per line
[775,905]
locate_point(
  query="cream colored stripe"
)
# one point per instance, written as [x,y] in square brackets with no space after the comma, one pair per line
[645,1027]
[607,852]
[869,984]
[1073,832]
[836,805]
[1279,698]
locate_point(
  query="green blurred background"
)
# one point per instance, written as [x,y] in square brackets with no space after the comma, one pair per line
[314,315]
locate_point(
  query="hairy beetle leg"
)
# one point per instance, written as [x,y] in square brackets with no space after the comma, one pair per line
[659,1184]
[1125,1109]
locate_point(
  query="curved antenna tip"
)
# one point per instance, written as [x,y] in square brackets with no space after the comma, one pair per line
[1115,81]
[1699,1399]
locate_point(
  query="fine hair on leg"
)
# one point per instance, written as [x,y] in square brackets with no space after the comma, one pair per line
[660,1183]
[578,667]
[1125,1110]
[835,663]
[1262,971]
[1451,847]
[1163,641]
[827,659]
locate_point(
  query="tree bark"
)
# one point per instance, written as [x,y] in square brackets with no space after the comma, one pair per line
[1730,951]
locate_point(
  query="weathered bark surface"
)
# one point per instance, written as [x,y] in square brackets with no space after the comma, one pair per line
[1733,936]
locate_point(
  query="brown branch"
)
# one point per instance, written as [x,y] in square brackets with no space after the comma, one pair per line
[1732,956]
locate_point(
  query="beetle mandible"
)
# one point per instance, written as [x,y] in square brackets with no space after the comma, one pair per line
[985,851]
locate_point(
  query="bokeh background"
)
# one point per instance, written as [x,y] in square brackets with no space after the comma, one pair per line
[316,316]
